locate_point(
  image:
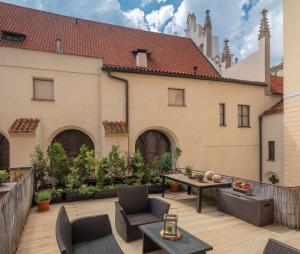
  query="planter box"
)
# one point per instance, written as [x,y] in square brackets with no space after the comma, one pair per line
[75,196]
[55,200]
[152,189]
[106,193]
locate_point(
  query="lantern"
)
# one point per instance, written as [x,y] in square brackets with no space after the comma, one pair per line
[170,224]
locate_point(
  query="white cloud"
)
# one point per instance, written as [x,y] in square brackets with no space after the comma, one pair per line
[178,22]
[156,19]
[136,18]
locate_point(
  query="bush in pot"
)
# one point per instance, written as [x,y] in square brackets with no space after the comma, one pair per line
[3,176]
[39,165]
[42,199]
[85,162]
[116,164]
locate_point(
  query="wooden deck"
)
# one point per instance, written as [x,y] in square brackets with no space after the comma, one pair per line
[225,233]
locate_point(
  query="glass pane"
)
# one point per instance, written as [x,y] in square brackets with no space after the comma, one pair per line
[239,110]
[43,89]
[245,121]
[240,121]
[179,97]
[172,97]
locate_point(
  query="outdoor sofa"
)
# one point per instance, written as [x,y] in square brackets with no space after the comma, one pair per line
[87,235]
[276,247]
[134,208]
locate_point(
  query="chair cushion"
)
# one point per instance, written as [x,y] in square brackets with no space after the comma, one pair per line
[142,218]
[134,199]
[104,245]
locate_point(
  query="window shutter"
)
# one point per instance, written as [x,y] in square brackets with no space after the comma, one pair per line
[43,89]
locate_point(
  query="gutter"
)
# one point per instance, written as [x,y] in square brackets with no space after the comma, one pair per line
[260,149]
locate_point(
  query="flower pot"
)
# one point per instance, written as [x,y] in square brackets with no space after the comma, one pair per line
[200,179]
[174,187]
[106,193]
[43,206]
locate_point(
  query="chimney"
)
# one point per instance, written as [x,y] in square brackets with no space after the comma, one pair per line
[195,69]
[59,47]
[141,57]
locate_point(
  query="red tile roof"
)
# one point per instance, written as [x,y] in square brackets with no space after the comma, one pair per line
[113,43]
[276,85]
[24,125]
[118,127]
[277,108]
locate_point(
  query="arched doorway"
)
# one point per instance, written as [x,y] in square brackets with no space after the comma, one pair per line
[71,140]
[4,152]
[152,143]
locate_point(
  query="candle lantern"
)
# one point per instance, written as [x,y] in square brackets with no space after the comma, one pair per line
[170,224]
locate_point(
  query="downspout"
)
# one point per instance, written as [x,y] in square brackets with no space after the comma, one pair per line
[126,99]
[260,149]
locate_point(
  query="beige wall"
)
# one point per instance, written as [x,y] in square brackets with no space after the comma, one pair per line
[195,128]
[272,129]
[291,92]
[77,96]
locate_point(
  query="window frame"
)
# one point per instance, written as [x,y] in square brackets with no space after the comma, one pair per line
[223,114]
[177,89]
[242,125]
[271,152]
[33,89]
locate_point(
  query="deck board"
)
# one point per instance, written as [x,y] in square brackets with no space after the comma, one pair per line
[225,233]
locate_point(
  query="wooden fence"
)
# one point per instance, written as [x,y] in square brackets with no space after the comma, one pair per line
[286,200]
[14,210]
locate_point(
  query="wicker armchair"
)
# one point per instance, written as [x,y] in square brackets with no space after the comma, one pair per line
[276,247]
[88,235]
[134,208]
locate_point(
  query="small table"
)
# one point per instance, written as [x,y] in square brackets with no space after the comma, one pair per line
[183,179]
[187,244]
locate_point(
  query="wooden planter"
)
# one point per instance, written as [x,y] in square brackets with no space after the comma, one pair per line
[106,193]
[75,196]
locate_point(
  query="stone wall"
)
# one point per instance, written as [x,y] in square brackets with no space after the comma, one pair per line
[14,210]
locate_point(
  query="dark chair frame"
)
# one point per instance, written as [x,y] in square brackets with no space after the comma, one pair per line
[275,247]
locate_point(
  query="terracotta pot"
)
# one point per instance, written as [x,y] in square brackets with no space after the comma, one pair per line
[174,187]
[43,206]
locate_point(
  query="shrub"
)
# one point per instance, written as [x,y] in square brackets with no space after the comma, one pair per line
[88,189]
[177,153]
[165,163]
[58,162]
[73,179]
[3,176]
[42,195]
[39,165]
[101,167]
[85,162]
[116,164]
[138,165]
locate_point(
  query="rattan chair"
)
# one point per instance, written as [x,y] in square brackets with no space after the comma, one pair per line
[276,247]
[134,208]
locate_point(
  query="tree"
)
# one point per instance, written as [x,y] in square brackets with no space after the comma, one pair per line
[39,165]
[116,163]
[85,162]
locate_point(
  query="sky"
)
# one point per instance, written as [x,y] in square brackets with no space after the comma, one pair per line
[237,20]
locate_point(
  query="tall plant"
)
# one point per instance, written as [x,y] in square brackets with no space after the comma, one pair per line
[165,163]
[85,162]
[138,165]
[101,167]
[116,163]
[58,162]
[177,152]
[39,165]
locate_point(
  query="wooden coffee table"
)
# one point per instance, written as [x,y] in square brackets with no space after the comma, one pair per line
[183,179]
[187,244]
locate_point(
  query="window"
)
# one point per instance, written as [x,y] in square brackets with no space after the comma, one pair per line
[176,97]
[14,37]
[271,145]
[43,89]
[243,116]
[222,114]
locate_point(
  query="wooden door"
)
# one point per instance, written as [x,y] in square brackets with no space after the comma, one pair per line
[4,152]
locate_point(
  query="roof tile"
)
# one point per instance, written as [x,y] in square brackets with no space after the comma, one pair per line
[277,108]
[24,125]
[115,127]
[276,85]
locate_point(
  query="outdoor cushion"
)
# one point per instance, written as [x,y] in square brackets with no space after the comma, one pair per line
[104,245]
[134,200]
[142,218]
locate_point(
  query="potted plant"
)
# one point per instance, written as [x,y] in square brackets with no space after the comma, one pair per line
[188,170]
[56,195]
[177,152]
[3,176]
[39,165]
[73,185]
[42,199]
[200,176]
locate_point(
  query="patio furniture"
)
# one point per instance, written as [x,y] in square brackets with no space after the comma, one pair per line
[134,208]
[185,180]
[276,247]
[88,235]
[187,244]
[258,211]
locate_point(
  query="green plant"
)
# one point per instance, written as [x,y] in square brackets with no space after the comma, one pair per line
[3,176]
[116,164]
[42,195]
[138,166]
[177,152]
[55,192]
[273,179]
[58,162]
[147,174]
[165,163]
[188,169]
[88,189]
[101,167]
[85,162]
[73,179]
[39,165]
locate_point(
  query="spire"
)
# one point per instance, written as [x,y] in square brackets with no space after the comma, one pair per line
[264,29]
[226,56]
[207,23]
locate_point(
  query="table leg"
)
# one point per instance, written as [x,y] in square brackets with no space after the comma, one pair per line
[163,186]
[189,190]
[199,200]
[149,245]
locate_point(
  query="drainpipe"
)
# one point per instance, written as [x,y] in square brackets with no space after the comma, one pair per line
[260,149]
[126,99]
